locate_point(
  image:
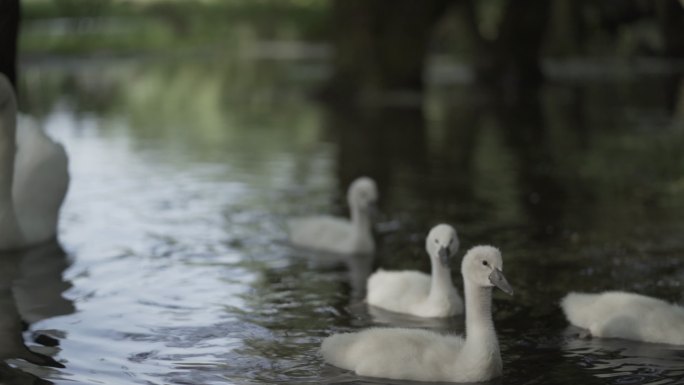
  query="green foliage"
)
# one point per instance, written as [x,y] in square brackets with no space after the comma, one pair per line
[86,26]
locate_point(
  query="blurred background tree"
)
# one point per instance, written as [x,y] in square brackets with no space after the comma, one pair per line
[380,49]
[9,28]
[383,45]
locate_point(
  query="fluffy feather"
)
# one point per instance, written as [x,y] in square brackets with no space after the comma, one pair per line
[412,354]
[417,293]
[399,353]
[326,233]
[616,314]
[340,235]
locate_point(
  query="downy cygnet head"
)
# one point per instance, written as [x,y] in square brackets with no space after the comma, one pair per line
[482,265]
[442,243]
[362,193]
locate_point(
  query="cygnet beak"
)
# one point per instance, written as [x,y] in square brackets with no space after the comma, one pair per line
[497,279]
[444,256]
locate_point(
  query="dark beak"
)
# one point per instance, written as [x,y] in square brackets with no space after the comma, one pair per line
[497,279]
[444,255]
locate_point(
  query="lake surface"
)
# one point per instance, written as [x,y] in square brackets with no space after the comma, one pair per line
[174,266]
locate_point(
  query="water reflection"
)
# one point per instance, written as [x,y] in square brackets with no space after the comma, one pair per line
[625,362]
[383,143]
[358,266]
[453,325]
[174,221]
[541,194]
[31,289]
[39,289]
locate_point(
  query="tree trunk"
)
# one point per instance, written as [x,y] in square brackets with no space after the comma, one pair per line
[670,15]
[9,32]
[567,31]
[515,58]
[381,45]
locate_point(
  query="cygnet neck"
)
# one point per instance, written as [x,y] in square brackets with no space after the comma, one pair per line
[479,324]
[441,283]
[481,349]
[360,218]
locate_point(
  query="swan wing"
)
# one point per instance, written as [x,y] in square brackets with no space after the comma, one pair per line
[396,353]
[399,291]
[626,315]
[321,233]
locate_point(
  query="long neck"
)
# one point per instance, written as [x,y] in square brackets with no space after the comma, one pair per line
[360,219]
[9,229]
[481,350]
[479,325]
[441,279]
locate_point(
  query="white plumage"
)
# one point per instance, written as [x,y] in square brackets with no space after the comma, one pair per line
[417,293]
[617,314]
[410,354]
[340,235]
[33,179]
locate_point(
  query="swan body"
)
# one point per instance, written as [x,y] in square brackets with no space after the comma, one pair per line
[340,235]
[421,355]
[417,293]
[617,314]
[40,183]
[33,179]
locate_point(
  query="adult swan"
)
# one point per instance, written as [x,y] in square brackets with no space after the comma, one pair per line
[33,179]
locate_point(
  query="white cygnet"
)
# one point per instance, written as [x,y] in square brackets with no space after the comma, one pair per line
[340,235]
[417,293]
[617,314]
[421,355]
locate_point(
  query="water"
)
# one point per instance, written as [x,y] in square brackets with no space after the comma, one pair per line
[174,266]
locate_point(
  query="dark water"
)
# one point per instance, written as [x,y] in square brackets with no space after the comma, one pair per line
[175,268]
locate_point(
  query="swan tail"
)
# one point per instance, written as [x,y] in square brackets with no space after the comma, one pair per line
[336,350]
[375,286]
[578,308]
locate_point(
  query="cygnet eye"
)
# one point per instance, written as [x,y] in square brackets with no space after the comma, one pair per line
[485,263]
[436,241]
